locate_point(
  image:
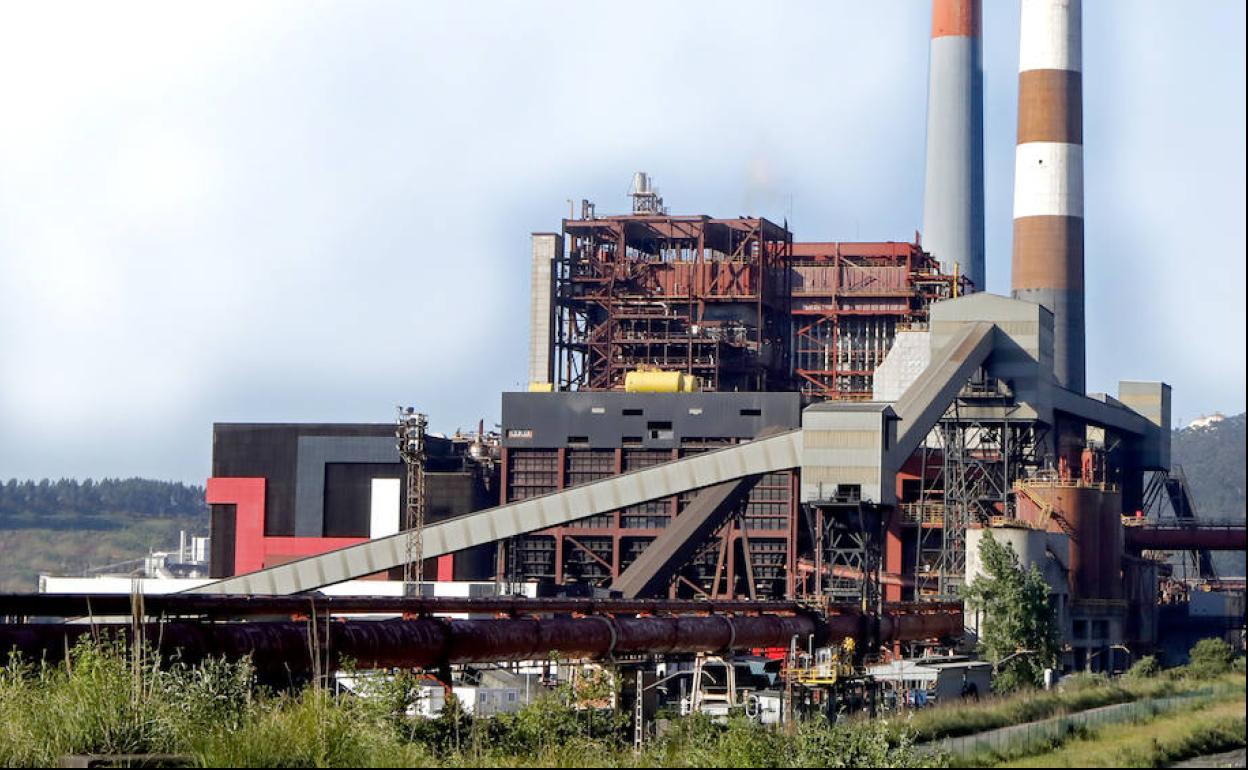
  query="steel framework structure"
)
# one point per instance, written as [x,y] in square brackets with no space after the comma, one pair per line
[848,549]
[848,302]
[968,467]
[410,437]
[1173,488]
[748,556]
[708,297]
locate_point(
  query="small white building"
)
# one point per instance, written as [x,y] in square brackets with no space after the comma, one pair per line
[921,681]
[477,701]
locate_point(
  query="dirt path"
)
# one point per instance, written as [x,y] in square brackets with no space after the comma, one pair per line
[1236,758]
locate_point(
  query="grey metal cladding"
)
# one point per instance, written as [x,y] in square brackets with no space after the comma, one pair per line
[605,419]
[546,249]
[1069,354]
[313,453]
[925,401]
[765,455]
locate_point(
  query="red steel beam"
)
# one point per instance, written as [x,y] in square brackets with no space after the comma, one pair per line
[1180,538]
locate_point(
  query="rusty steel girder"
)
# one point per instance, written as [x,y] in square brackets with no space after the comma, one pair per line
[1179,537]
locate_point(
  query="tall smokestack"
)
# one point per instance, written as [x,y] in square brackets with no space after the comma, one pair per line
[1048,177]
[953,193]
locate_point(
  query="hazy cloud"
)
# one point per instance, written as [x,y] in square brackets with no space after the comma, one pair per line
[288,211]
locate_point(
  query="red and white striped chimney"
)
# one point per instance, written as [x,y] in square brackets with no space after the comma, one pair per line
[953,191]
[1048,177]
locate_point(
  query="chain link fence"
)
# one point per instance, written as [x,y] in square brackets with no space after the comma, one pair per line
[1050,732]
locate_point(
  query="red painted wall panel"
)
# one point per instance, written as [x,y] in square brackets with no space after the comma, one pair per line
[252,549]
[247,495]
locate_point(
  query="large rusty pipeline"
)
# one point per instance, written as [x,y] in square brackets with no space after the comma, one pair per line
[239,606]
[1178,538]
[290,647]
[428,642]
[940,623]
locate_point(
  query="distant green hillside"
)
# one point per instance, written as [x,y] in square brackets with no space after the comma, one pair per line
[68,526]
[1213,459]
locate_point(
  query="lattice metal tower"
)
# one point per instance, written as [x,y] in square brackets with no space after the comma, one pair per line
[410,434]
[970,462]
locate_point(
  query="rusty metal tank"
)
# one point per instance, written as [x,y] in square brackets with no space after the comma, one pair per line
[1090,515]
[1111,543]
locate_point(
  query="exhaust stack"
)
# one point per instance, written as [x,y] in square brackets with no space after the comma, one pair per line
[953,191]
[1048,177]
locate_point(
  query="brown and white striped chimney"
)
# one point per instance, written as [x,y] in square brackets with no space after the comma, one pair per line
[1048,177]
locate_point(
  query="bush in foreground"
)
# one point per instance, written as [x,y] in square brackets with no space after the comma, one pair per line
[1146,667]
[103,700]
[1210,658]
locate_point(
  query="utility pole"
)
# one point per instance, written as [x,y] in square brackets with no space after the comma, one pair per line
[790,673]
[639,716]
[410,435]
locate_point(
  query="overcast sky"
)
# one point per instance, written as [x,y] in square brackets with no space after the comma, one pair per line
[313,212]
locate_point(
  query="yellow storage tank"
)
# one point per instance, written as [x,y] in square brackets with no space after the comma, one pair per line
[643,381]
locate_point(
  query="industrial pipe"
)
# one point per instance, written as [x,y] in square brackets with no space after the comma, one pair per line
[1185,538]
[287,648]
[237,606]
[910,626]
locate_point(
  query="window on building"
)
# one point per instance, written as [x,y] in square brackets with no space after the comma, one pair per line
[661,431]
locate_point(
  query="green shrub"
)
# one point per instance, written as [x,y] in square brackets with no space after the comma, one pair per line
[311,729]
[697,741]
[1084,680]
[104,699]
[1210,658]
[110,699]
[1146,667]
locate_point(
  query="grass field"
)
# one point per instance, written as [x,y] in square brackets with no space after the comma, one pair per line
[1169,738]
[964,718]
[215,715]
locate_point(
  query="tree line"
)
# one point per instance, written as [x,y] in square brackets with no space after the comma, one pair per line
[90,497]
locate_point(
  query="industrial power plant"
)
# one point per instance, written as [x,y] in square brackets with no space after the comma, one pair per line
[737,449]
